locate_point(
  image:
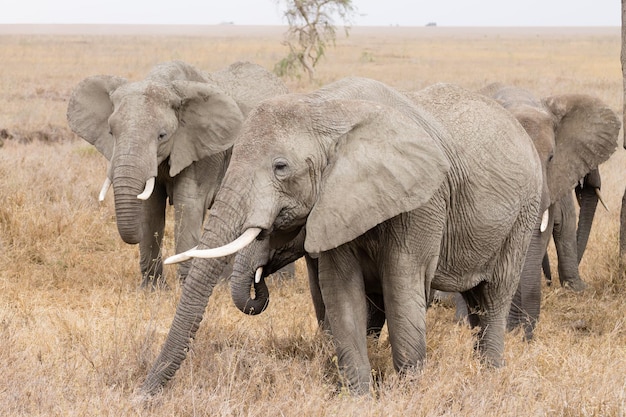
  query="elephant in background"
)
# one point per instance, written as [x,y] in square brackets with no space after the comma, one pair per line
[573,134]
[168,136]
[441,189]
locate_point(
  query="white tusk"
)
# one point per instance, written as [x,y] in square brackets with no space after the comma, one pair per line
[241,242]
[544,221]
[181,257]
[104,189]
[147,192]
[601,200]
[258,274]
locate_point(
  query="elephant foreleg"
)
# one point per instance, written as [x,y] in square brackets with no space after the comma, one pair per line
[343,292]
[406,284]
[152,228]
[316,293]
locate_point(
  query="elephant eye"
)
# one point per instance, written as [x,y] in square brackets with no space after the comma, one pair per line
[162,135]
[281,167]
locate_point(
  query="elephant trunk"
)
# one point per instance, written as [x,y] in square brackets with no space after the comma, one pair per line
[588,201]
[248,261]
[255,256]
[127,184]
[223,226]
[240,293]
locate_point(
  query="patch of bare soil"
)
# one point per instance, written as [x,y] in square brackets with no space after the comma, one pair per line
[48,134]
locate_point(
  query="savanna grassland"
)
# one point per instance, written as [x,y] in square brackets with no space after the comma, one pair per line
[77,335]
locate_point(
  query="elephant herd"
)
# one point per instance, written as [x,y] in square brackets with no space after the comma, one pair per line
[388,195]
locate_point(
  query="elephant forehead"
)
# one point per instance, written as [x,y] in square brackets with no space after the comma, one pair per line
[277,119]
[539,125]
[147,91]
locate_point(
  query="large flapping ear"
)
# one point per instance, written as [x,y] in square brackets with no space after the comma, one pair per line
[209,121]
[89,109]
[586,133]
[385,164]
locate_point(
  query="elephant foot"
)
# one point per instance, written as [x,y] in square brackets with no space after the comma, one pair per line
[154,283]
[576,285]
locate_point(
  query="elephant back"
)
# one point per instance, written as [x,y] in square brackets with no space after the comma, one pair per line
[248,84]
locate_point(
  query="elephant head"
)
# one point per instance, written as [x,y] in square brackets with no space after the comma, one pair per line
[291,168]
[175,116]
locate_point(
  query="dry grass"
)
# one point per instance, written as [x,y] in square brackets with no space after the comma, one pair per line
[77,335]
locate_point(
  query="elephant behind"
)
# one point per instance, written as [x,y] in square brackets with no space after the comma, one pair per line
[451,187]
[167,137]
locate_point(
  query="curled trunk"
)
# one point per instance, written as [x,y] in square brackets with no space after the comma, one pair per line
[249,260]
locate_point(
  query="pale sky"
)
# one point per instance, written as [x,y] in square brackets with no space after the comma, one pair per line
[266,12]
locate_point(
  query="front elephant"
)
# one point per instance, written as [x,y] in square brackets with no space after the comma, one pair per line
[166,137]
[441,188]
[573,134]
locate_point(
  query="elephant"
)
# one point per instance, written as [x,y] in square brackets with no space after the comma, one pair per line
[168,136]
[573,134]
[437,188]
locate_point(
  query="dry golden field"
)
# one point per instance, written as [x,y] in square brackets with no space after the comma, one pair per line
[77,335]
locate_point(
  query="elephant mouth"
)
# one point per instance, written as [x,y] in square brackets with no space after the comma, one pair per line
[144,195]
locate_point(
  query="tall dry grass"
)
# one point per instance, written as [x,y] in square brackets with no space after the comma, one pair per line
[77,336]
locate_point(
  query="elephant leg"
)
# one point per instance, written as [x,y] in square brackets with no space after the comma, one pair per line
[564,235]
[187,231]
[153,226]
[375,314]
[343,291]
[494,296]
[316,293]
[461,312]
[526,303]
[406,286]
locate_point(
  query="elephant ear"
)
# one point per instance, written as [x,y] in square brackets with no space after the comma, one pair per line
[89,109]
[385,164]
[586,133]
[209,121]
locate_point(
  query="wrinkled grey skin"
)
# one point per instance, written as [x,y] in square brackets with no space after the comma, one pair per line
[573,134]
[178,125]
[438,188]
